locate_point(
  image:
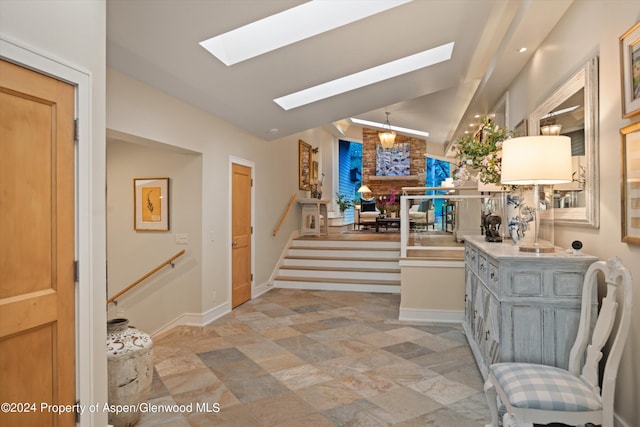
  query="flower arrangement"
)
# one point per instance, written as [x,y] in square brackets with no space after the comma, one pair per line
[482,152]
[388,204]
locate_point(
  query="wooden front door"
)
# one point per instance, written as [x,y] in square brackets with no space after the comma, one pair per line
[37,307]
[240,235]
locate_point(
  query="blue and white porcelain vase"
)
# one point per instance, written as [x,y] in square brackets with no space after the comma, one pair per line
[512,220]
[520,215]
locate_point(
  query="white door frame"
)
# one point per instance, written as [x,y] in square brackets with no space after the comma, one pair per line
[87,290]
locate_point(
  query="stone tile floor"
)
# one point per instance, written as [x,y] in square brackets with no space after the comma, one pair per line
[316,358]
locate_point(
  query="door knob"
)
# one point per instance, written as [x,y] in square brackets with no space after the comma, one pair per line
[234,243]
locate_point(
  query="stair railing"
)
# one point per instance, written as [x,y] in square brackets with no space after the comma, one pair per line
[146,276]
[284,215]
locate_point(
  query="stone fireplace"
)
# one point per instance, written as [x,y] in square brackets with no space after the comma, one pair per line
[382,185]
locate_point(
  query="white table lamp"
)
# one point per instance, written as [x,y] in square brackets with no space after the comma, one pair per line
[536,160]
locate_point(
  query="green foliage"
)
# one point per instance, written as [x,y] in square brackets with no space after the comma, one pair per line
[483,152]
[343,202]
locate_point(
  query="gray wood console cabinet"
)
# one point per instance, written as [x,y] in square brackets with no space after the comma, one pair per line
[520,306]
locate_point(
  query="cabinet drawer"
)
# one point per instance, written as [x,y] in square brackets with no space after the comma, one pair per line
[493,277]
[526,283]
[483,267]
[471,258]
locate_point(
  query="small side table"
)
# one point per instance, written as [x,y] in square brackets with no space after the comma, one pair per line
[313,220]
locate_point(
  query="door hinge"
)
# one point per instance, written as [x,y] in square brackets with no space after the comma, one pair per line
[252,229]
[252,182]
[252,277]
[75,131]
[76,271]
[77,411]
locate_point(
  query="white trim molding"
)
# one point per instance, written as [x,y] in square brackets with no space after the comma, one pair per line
[195,319]
[431,316]
[91,373]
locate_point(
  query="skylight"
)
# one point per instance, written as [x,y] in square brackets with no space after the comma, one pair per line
[367,77]
[395,128]
[291,26]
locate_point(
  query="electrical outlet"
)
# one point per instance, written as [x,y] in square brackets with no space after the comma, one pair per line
[182,239]
[120,312]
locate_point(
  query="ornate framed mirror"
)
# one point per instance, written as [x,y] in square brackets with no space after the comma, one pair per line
[572,110]
[304,165]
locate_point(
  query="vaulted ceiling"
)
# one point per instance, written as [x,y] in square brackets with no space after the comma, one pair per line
[157,42]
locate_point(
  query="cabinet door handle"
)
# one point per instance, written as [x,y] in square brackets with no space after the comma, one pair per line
[486,336]
[492,275]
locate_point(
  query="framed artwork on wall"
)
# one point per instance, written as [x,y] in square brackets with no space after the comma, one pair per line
[630,185]
[394,161]
[630,71]
[304,165]
[151,204]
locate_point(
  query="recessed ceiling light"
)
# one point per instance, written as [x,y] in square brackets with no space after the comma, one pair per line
[367,77]
[471,125]
[522,49]
[477,116]
[384,126]
[291,26]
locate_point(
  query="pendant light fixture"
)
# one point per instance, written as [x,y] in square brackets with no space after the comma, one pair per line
[388,137]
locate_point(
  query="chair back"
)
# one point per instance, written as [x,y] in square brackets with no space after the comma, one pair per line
[618,280]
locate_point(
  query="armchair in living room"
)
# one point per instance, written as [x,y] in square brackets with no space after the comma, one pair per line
[367,213]
[422,215]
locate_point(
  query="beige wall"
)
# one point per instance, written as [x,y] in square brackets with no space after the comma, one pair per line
[131,254]
[443,290]
[591,28]
[138,112]
[73,33]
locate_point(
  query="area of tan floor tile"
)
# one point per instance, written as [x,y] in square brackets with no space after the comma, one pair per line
[316,358]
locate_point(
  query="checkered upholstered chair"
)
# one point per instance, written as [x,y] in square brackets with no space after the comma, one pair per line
[541,394]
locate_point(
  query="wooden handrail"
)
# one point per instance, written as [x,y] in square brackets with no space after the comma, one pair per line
[286,212]
[146,276]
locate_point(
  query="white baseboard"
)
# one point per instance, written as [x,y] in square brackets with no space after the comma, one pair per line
[195,319]
[261,289]
[433,316]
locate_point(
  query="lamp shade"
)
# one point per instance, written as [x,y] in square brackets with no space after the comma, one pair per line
[364,189]
[387,139]
[536,160]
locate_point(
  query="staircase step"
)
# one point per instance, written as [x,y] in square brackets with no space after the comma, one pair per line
[353,285]
[341,262]
[333,273]
[346,243]
[345,252]
[345,269]
[359,281]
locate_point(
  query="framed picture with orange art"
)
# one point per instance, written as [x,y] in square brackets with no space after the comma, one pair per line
[630,186]
[151,204]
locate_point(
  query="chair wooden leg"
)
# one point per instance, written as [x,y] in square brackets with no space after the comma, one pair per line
[491,395]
